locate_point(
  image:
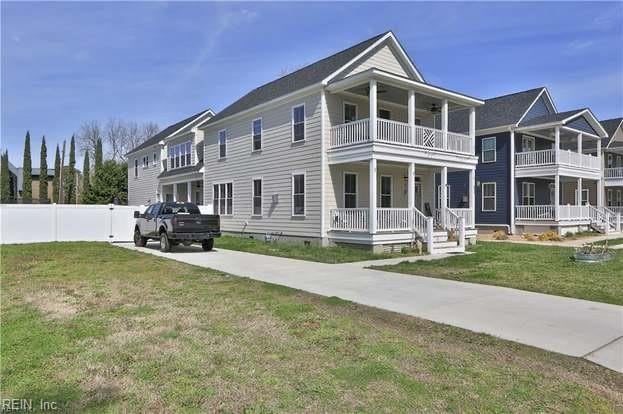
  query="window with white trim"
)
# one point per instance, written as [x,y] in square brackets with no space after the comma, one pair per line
[145,161]
[489,197]
[610,198]
[386,191]
[257,197]
[298,123]
[488,151]
[256,133]
[222,143]
[179,155]
[136,168]
[223,198]
[350,112]
[619,201]
[298,194]
[527,194]
[155,159]
[528,143]
[610,161]
[350,190]
[619,161]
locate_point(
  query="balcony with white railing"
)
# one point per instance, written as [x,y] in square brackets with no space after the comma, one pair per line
[548,158]
[387,220]
[613,173]
[400,133]
[566,212]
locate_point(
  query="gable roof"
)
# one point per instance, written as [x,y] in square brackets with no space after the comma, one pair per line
[496,112]
[171,129]
[611,126]
[580,119]
[555,117]
[307,76]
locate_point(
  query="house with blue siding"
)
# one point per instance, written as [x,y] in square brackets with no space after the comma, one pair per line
[538,169]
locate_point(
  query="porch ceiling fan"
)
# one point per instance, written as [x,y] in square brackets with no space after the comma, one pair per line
[434,108]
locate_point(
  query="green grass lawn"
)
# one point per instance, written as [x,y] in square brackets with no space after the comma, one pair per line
[536,268]
[98,328]
[336,254]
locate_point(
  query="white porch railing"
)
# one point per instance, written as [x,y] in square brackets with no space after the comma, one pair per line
[538,212]
[467,214]
[399,133]
[572,212]
[548,157]
[349,219]
[616,209]
[613,172]
[393,219]
[388,219]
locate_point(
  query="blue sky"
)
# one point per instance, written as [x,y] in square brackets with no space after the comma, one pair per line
[64,63]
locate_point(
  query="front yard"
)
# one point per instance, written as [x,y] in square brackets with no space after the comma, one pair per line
[545,269]
[98,328]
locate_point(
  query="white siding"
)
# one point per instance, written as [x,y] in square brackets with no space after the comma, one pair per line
[382,58]
[144,188]
[275,163]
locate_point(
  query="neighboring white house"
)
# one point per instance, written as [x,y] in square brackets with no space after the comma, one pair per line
[613,164]
[169,165]
[352,149]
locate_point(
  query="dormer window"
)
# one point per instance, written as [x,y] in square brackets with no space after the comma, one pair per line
[180,155]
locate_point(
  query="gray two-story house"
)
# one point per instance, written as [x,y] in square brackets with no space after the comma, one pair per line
[345,150]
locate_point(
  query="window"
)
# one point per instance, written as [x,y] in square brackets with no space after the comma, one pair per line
[182,155]
[256,132]
[488,197]
[298,194]
[527,194]
[488,150]
[145,161]
[386,191]
[223,195]
[527,143]
[552,193]
[136,168]
[610,161]
[176,149]
[610,199]
[385,114]
[418,121]
[171,157]
[155,159]
[188,152]
[222,143]
[584,201]
[619,161]
[350,190]
[619,202]
[257,197]
[179,155]
[298,123]
[350,112]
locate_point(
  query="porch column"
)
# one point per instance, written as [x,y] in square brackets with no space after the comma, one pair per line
[373,110]
[557,143]
[472,195]
[189,191]
[159,195]
[411,110]
[600,182]
[411,186]
[578,200]
[556,197]
[443,203]
[372,194]
[444,122]
[472,130]
[175,192]
[579,143]
[512,189]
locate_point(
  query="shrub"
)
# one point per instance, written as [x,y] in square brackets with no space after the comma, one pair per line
[500,235]
[549,236]
[529,237]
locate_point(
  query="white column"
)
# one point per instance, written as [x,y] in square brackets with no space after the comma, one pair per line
[444,122]
[472,194]
[472,130]
[175,192]
[600,182]
[556,197]
[411,110]
[557,143]
[512,189]
[372,193]
[578,200]
[579,143]
[443,203]
[373,110]
[411,184]
[189,191]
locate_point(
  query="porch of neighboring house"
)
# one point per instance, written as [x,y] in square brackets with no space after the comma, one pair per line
[402,203]
[190,191]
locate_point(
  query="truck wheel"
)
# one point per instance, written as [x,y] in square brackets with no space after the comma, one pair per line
[165,245]
[207,244]
[139,241]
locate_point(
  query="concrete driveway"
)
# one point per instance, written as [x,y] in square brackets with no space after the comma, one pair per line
[573,327]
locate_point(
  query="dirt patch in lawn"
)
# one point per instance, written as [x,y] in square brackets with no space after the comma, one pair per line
[54,304]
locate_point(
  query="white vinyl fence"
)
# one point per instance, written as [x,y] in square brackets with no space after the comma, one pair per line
[32,223]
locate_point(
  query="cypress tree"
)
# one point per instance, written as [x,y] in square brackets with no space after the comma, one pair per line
[27,172]
[99,156]
[86,180]
[5,184]
[43,173]
[70,197]
[57,171]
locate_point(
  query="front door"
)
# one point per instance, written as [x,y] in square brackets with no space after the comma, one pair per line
[418,195]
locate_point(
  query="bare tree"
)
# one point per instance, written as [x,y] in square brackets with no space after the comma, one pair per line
[88,134]
[115,135]
[149,129]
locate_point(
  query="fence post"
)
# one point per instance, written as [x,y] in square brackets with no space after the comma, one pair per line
[462,232]
[430,227]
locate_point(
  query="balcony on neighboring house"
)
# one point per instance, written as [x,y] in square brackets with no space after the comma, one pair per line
[613,177]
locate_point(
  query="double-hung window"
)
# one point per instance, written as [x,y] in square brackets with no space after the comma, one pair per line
[182,148]
[171,157]
[350,112]
[527,194]
[223,197]
[222,143]
[155,159]
[177,156]
[619,201]
[386,191]
[145,161]
[527,143]
[488,153]
[488,197]
[257,196]
[256,133]
[298,123]
[188,152]
[136,168]
[610,201]
[350,190]
[298,194]
[610,161]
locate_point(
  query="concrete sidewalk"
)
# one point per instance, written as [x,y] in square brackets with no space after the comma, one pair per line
[569,326]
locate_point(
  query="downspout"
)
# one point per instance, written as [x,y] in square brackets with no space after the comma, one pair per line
[323,163]
[512,180]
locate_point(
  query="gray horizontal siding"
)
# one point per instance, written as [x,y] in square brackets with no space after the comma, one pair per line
[144,188]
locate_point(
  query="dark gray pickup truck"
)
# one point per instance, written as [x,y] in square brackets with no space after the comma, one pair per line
[175,223]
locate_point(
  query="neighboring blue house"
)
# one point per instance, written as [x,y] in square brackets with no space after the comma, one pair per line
[538,169]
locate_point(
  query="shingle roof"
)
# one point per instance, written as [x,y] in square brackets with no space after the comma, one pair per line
[167,131]
[611,125]
[558,116]
[296,80]
[496,112]
[183,170]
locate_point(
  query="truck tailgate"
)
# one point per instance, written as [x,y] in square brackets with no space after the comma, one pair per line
[195,223]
